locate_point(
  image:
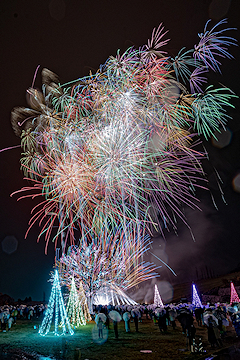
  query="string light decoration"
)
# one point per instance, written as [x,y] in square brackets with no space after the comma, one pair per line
[234,295]
[195,297]
[56,306]
[157,298]
[74,308]
[83,302]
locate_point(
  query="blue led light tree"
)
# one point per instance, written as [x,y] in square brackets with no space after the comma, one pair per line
[157,298]
[56,307]
[195,297]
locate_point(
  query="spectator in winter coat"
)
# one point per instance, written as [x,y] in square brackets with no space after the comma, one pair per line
[186,319]
[236,323]
[4,320]
[213,332]
[199,315]
[162,322]
[100,328]
[172,317]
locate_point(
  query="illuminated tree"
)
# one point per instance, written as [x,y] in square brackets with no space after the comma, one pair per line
[195,297]
[83,302]
[74,308]
[56,307]
[234,295]
[107,263]
[157,297]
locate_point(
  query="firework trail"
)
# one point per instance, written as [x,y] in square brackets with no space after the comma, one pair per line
[107,264]
[120,146]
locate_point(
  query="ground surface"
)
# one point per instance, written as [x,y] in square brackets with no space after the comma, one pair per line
[81,345]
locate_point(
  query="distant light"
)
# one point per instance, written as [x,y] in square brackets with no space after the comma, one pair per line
[157,298]
[195,297]
[9,244]
[234,296]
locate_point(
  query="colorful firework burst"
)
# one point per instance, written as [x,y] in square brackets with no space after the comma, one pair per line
[118,146]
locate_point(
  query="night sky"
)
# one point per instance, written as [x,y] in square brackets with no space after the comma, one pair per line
[71,38]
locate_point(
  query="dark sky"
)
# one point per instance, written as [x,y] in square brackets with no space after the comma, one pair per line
[70,38]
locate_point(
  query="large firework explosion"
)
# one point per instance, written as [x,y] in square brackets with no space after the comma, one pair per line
[120,148]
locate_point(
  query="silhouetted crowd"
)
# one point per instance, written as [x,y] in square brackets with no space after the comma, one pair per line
[10,313]
[215,318]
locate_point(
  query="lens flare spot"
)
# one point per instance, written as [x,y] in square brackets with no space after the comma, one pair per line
[219,8]
[9,244]
[222,139]
[57,9]
[236,183]
[99,334]
[166,291]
